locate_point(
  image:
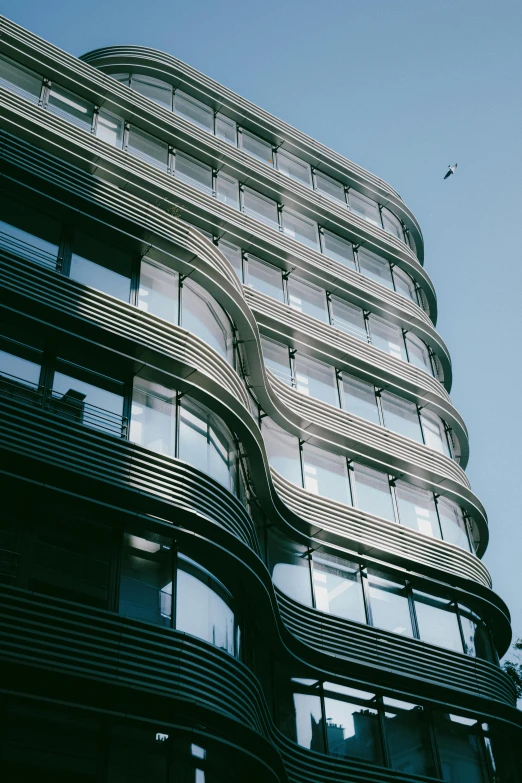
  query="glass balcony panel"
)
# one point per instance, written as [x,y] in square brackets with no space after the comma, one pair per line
[146,578]
[307,299]
[418,353]
[282,450]
[401,416]
[20,80]
[453,524]
[290,568]
[417,509]
[71,107]
[404,285]
[392,224]
[309,721]
[233,254]
[227,190]
[148,149]
[338,588]
[109,128]
[437,621]
[389,604]
[434,432]
[359,399]
[103,267]
[301,229]
[204,317]
[277,360]
[373,492]
[226,129]
[338,249]
[293,167]
[193,172]
[194,111]
[460,749]
[19,370]
[364,207]
[28,233]
[329,187]
[87,403]
[265,278]
[349,318]
[158,91]
[261,208]
[158,291]
[257,147]
[353,731]
[316,379]
[206,443]
[326,474]
[153,417]
[408,737]
[388,337]
[375,268]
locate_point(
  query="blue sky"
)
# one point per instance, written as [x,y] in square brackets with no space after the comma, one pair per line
[403,88]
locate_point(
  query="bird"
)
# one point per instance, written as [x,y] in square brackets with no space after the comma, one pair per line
[450,171]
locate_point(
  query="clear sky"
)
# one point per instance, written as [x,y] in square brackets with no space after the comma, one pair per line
[403,88]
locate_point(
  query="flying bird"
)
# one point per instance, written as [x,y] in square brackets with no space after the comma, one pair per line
[450,171]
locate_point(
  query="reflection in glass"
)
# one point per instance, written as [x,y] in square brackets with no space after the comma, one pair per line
[316,379]
[71,107]
[277,359]
[339,249]
[364,207]
[326,474]
[359,399]
[453,524]
[282,450]
[146,578]
[18,79]
[477,642]
[28,233]
[434,432]
[149,149]
[103,267]
[408,738]
[373,492]
[265,278]
[22,370]
[205,443]
[349,318]
[153,417]
[227,190]
[290,568]
[459,748]
[88,403]
[387,337]
[352,730]
[437,621]
[193,172]
[329,187]
[338,588]
[204,317]
[300,228]
[158,291]
[309,721]
[109,128]
[307,299]
[293,167]
[418,353]
[375,268]
[389,604]
[194,110]
[417,509]
[401,416]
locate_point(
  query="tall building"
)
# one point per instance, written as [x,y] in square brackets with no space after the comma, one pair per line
[237,540]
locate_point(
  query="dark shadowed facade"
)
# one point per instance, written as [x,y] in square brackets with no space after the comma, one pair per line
[237,541]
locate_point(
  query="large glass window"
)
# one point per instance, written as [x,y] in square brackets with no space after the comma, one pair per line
[71,107]
[407,734]
[300,228]
[88,398]
[206,443]
[404,285]
[364,207]
[418,353]
[389,603]
[326,474]
[158,91]
[17,367]
[359,398]
[29,233]
[20,80]
[227,190]
[153,417]
[158,291]
[434,432]
[146,578]
[204,317]
[257,147]
[387,337]
[339,249]
[290,567]
[233,254]
[277,359]
[99,265]
[307,299]
[260,207]
[477,642]
[316,379]
[309,721]
[293,167]
[401,416]
[148,149]
[194,111]
[109,128]
[417,509]
[329,187]
[373,492]
[265,278]
[226,129]
[282,450]
[392,224]
[374,267]
[193,172]
[203,606]
[337,587]
[437,621]
[352,725]
[348,318]
[453,524]
[459,748]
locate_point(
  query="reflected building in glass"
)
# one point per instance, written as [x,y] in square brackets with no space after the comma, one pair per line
[238,540]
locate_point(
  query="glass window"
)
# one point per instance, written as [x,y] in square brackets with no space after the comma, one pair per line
[307,299]
[359,399]
[326,474]
[352,730]
[123,78]
[418,353]
[29,233]
[339,249]
[19,369]
[260,207]
[227,190]
[349,318]
[459,748]
[203,606]
[265,278]
[293,167]
[337,587]
[404,285]
[86,402]
[389,604]
[204,317]
[477,642]
[206,443]
[434,432]
[387,337]
[329,187]
[392,224]
[417,509]
[153,417]
[226,129]
[364,207]
[453,524]
[282,450]
[71,107]
[148,149]
[158,91]
[193,172]
[98,265]
[109,128]
[316,379]
[290,568]
[375,268]
[146,578]
[407,734]
[233,254]
[20,80]
[309,721]
[277,359]
[401,416]
[194,111]
[437,621]
[158,291]
[373,492]
[301,229]
[503,754]
[257,147]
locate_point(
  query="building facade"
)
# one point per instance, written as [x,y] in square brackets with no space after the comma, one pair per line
[238,540]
